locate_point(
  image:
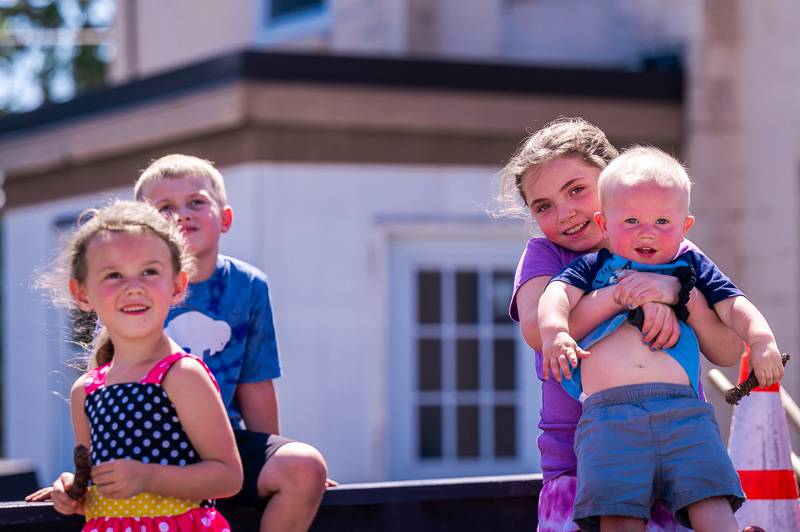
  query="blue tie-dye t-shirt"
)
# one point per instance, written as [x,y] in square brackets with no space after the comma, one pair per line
[227,320]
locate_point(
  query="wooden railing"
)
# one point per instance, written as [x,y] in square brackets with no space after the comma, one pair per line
[506,503]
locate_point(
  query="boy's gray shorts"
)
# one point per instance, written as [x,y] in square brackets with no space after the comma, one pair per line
[643,442]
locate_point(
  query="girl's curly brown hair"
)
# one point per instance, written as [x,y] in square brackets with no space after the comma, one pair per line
[130,217]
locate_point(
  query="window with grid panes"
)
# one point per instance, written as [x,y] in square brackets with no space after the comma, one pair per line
[466,364]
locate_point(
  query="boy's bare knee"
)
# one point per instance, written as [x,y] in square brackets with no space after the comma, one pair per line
[309,469]
[296,467]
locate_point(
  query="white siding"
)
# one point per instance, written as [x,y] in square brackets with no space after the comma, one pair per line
[36,382]
[317,232]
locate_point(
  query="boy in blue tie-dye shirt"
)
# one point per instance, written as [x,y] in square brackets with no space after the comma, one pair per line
[227,319]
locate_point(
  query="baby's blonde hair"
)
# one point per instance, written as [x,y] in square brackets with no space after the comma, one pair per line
[645,164]
[129,217]
[563,137]
[177,165]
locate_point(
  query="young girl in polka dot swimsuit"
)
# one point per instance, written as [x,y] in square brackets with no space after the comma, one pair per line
[161,445]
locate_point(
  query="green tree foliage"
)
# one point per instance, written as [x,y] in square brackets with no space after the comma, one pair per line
[51,49]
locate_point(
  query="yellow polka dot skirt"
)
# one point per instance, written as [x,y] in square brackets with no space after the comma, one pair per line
[142,505]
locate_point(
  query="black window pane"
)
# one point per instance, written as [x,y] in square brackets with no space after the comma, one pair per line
[467,364]
[429,297]
[502,288]
[430,364]
[505,364]
[466,297]
[283,8]
[505,431]
[430,431]
[468,432]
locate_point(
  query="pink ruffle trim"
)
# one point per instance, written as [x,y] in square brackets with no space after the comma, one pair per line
[204,519]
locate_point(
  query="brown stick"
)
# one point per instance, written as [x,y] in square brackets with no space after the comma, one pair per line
[83,472]
[735,394]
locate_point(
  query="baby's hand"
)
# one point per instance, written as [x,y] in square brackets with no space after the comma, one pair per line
[661,328]
[562,353]
[765,360]
[62,502]
[634,289]
[120,479]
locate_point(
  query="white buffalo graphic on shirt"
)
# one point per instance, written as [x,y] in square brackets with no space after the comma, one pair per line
[199,334]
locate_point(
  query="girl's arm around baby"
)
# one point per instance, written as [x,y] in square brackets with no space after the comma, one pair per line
[591,310]
[634,289]
[203,418]
[559,349]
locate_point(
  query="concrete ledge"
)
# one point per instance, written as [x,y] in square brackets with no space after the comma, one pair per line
[505,503]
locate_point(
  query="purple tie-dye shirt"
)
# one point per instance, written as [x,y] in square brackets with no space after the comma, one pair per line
[559,414]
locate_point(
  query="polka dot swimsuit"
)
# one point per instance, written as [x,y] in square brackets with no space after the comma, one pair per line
[137,420]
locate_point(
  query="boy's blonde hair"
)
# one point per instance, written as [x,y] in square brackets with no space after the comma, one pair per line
[177,165]
[563,137]
[645,164]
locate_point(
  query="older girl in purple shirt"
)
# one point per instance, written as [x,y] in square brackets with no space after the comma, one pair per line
[555,174]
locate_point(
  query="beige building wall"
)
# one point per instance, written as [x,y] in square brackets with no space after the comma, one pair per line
[743,144]
[369,26]
[154,36]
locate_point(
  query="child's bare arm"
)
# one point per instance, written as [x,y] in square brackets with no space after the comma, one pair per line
[259,405]
[80,423]
[718,343]
[592,309]
[559,349]
[203,418]
[744,319]
[62,502]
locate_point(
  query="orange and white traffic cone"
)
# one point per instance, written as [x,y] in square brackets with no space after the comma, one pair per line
[760,450]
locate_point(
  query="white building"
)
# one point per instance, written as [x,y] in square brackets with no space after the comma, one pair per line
[360,176]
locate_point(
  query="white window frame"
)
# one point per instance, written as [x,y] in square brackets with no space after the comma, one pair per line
[475,246]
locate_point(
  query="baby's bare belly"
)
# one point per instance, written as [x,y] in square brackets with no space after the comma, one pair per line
[622,358]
